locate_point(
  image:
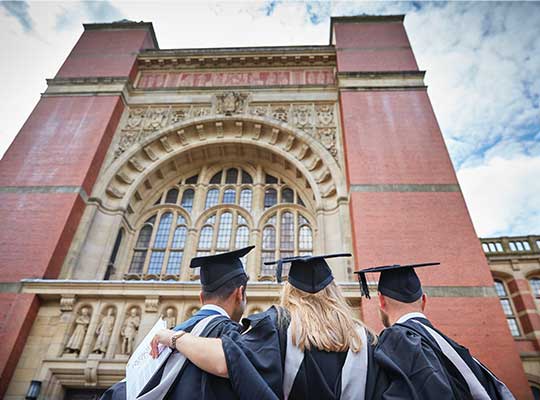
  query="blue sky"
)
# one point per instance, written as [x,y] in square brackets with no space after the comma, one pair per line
[482,61]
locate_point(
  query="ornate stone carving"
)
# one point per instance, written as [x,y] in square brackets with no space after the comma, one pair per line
[66,303]
[129,330]
[325,115]
[170,317]
[76,339]
[156,118]
[315,119]
[230,103]
[151,304]
[103,332]
[327,136]
[280,113]
[135,118]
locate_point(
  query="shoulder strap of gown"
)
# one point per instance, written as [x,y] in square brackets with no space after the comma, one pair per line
[173,366]
[354,371]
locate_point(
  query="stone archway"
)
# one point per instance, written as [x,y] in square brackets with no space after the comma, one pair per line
[127,173]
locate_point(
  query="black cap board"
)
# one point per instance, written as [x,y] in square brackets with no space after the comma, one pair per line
[308,273]
[217,269]
[398,282]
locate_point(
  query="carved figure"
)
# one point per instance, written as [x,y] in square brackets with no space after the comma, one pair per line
[129,331]
[170,318]
[75,342]
[104,331]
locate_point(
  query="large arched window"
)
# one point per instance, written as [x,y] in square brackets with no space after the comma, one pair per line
[228,208]
[160,246]
[535,288]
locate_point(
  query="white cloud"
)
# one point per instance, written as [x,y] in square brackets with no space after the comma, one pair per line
[503,196]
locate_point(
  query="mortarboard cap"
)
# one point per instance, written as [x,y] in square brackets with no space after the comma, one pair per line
[218,269]
[398,282]
[308,273]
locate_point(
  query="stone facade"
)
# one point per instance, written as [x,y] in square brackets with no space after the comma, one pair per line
[515,265]
[131,165]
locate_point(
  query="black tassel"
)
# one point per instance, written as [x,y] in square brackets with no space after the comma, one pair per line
[279,270]
[364,288]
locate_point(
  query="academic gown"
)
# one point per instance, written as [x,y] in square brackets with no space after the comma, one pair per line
[486,378]
[417,368]
[319,376]
[191,382]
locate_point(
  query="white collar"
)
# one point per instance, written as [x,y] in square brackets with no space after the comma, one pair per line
[217,308]
[410,315]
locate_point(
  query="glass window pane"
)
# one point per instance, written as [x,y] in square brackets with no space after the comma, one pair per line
[241,220]
[175,260]
[156,261]
[212,198]
[192,180]
[162,235]
[512,246]
[287,231]
[491,247]
[268,270]
[287,196]
[526,246]
[137,262]
[245,199]
[305,241]
[225,231]
[246,178]
[507,308]
[232,175]
[269,238]
[180,220]
[270,179]
[498,245]
[205,239]
[144,237]
[499,288]
[172,196]
[538,244]
[179,238]
[519,246]
[229,196]
[512,324]
[242,237]
[535,286]
[216,178]
[187,199]
[270,198]
[299,201]
[286,266]
[485,247]
[272,220]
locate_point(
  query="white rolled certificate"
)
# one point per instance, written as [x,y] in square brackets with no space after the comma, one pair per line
[141,366]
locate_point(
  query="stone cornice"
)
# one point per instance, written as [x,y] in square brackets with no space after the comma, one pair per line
[248,57]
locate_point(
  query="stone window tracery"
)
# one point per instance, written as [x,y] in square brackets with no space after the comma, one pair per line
[218,211]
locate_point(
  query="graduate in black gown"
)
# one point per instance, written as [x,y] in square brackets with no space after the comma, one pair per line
[419,360]
[223,280]
[309,347]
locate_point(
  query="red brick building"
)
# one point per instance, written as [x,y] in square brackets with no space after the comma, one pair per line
[136,159]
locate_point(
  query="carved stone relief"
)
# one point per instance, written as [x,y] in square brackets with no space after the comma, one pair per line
[103,332]
[315,119]
[76,339]
[129,331]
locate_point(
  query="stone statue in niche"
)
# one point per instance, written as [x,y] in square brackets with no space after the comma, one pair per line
[170,318]
[75,342]
[103,332]
[129,331]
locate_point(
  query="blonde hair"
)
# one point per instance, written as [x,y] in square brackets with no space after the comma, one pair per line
[323,319]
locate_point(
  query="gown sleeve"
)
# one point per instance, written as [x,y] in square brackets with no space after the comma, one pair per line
[254,360]
[413,368]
